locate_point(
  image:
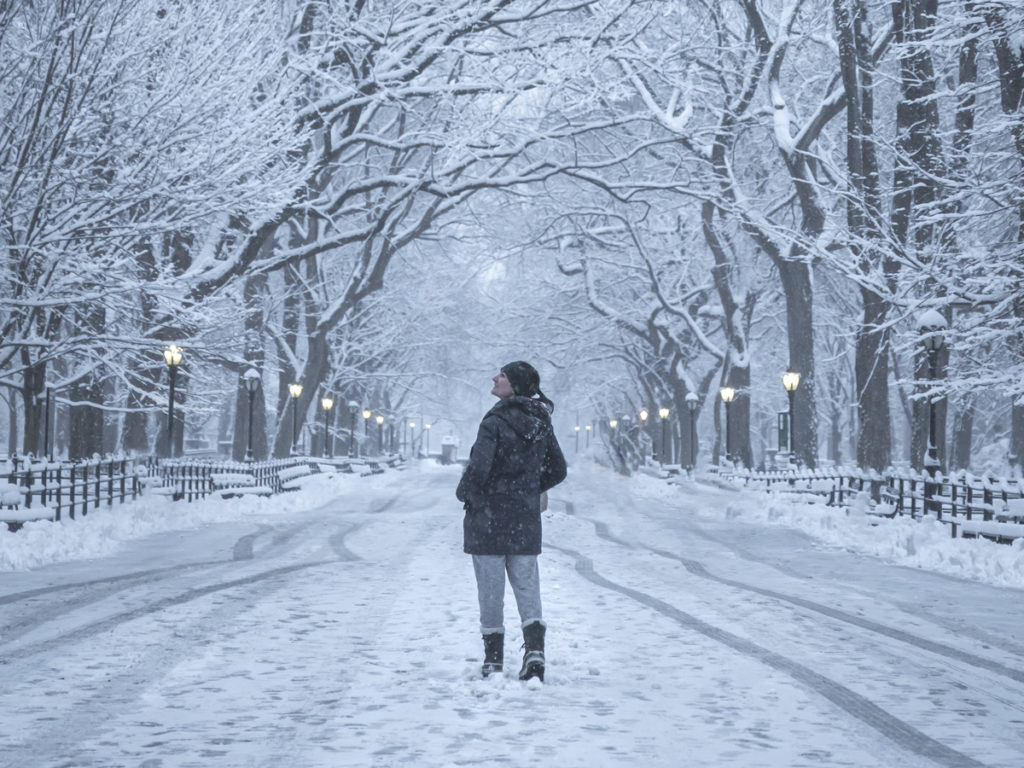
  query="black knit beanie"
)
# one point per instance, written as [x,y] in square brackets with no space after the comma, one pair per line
[523,377]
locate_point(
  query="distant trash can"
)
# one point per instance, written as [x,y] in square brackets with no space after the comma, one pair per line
[449,447]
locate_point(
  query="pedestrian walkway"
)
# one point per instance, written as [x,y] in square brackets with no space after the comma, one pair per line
[347,635]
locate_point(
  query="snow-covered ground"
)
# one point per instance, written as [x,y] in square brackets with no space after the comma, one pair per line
[688,625]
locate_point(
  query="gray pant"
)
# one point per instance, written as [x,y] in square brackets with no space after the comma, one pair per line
[524,576]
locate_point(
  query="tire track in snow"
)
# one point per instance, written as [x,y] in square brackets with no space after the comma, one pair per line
[243,549]
[336,542]
[859,707]
[978,634]
[698,569]
[75,595]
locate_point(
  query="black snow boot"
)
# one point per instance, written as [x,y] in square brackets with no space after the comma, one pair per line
[494,653]
[533,655]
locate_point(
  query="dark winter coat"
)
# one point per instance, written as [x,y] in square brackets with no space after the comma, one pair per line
[514,459]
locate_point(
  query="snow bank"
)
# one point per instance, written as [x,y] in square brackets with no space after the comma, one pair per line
[107,529]
[923,543]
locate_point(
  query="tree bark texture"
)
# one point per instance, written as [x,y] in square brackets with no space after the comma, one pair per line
[871,359]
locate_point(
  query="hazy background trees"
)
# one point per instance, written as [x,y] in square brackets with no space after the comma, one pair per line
[384,202]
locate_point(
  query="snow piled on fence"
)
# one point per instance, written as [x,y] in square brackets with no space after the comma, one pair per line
[923,543]
[106,530]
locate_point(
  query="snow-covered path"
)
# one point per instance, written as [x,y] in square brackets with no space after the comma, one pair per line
[680,633]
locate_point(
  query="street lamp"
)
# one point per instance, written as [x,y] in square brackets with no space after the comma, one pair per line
[353,409]
[427,427]
[367,413]
[327,402]
[691,406]
[252,383]
[728,395]
[172,356]
[412,433]
[663,415]
[588,438]
[577,430]
[295,390]
[380,435]
[791,380]
[932,326]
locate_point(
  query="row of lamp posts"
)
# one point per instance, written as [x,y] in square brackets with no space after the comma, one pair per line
[930,325]
[174,354]
[663,414]
[252,383]
[790,382]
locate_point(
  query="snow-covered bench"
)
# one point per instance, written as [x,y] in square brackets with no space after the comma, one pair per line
[292,477]
[1007,525]
[988,529]
[12,511]
[230,484]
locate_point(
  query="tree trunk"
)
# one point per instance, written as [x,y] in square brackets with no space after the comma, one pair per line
[253,294]
[916,189]
[142,380]
[1010,58]
[874,439]
[864,214]
[963,433]
[12,433]
[796,282]
[1016,452]
[33,384]
[290,415]
[86,422]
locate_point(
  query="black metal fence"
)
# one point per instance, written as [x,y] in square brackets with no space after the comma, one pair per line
[972,506]
[191,479]
[44,490]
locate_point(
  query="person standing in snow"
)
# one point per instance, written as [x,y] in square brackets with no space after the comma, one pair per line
[514,460]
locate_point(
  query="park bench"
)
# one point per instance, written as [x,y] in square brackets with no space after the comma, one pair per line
[292,477]
[13,513]
[228,485]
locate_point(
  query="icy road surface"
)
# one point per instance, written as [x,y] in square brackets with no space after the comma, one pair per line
[346,635]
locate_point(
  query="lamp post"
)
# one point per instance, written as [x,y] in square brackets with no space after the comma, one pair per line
[728,395]
[663,453]
[577,430]
[588,437]
[932,326]
[353,409]
[367,413]
[252,383]
[380,435]
[172,356]
[644,413]
[412,436]
[427,427]
[295,390]
[791,380]
[327,402]
[691,406]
